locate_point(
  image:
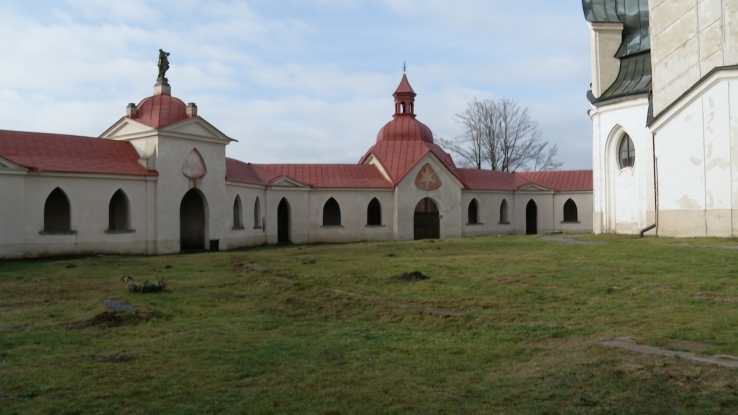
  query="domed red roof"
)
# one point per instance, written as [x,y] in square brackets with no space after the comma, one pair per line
[405,128]
[161,110]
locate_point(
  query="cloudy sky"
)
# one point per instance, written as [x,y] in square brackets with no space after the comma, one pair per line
[301,81]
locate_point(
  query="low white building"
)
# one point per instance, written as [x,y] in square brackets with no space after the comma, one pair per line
[665,116]
[158,181]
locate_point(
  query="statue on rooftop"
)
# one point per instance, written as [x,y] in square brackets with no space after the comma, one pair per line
[163,64]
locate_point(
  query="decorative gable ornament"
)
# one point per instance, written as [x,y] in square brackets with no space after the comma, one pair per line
[427,179]
[194,166]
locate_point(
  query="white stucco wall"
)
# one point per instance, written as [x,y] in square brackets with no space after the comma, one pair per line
[89,198]
[173,185]
[488,213]
[447,198]
[697,150]
[252,233]
[623,199]
[353,204]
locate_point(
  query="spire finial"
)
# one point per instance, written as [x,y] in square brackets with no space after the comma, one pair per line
[404,67]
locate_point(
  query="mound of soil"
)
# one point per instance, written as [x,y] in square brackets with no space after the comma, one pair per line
[412,276]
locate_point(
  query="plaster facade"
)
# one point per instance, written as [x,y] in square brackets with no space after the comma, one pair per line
[160,154]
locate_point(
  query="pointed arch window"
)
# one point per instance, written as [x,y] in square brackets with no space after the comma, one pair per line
[331,213]
[57,214]
[570,212]
[119,213]
[503,213]
[374,213]
[473,212]
[626,152]
[257,214]
[237,213]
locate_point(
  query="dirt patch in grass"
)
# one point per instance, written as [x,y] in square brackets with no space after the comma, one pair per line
[443,312]
[119,358]
[110,319]
[412,276]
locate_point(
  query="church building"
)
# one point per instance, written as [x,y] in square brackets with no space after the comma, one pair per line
[664,116]
[158,182]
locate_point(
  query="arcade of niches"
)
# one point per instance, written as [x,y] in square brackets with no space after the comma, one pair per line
[158,182]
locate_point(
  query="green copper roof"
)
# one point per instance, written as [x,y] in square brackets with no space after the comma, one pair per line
[634,16]
[634,77]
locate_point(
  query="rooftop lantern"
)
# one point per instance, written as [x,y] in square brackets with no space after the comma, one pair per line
[404,99]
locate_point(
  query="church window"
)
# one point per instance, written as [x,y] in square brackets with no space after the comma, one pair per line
[374,213]
[402,107]
[503,212]
[626,152]
[257,214]
[119,216]
[57,213]
[331,213]
[237,213]
[570,211]
[473,212]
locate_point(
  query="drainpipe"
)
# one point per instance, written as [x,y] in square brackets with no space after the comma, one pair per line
[655,189]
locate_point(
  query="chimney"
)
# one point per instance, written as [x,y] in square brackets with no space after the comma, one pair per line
[191,110]
[131,110]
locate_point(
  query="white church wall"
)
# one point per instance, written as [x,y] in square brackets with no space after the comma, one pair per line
[89,198]
[543,200]
[173,185]
[353,204]
[250,233]
[583,201]
[697,150]
[488,213]
[623,198]
[447,198]
[12,217]
[297,198]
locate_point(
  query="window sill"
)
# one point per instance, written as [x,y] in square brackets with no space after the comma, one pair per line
[332,226]
[475,224]
[375,226]
[504,223]
[569,221]
[117,231]
[237,228]
[257,227]
[58,233]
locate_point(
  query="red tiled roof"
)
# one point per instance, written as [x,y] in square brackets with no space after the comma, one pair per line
[405,128]
[325,175]
[398,157]
[160,111]
[561,181]
[481,179]
[238,171]
[69,153]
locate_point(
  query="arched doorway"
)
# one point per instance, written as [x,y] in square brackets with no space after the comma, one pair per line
[427,220]
[531,218]
[283,221]
[192,221]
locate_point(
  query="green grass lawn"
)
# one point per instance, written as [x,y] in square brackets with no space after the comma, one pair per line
[505,324]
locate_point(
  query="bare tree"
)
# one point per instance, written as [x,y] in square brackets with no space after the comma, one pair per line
[502,135]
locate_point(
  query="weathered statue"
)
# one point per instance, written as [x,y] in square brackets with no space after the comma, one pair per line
[163,64]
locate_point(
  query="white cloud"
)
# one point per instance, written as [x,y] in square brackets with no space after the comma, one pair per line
[268,82]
